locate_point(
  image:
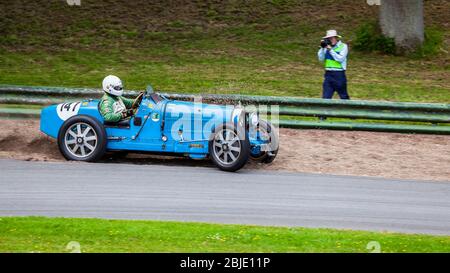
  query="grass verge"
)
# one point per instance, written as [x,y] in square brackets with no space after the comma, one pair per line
[41,234]
[237,47]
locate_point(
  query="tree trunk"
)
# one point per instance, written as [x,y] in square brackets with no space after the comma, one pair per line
[403,21]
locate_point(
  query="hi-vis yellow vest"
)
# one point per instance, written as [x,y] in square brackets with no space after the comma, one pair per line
[330,62]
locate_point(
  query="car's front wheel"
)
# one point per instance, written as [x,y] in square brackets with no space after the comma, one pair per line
[82,138]
[269,134]
[229,148]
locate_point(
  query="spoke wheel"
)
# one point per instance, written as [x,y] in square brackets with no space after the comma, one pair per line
[267,133]
[82,138]
[229,149]
[227,146]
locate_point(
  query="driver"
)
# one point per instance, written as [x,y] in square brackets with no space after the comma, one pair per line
[113,106]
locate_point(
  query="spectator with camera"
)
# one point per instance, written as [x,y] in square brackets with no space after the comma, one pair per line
[333,52]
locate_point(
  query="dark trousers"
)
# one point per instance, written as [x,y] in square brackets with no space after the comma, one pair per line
[335,81]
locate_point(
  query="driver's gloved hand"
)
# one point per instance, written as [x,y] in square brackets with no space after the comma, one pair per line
[127,113]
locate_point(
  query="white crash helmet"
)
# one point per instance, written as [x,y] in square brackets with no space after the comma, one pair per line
[112,85]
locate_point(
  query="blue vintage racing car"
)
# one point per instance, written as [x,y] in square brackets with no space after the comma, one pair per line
[228,135]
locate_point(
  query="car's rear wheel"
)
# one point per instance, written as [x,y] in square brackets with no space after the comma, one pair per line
[229,148]
[82,138]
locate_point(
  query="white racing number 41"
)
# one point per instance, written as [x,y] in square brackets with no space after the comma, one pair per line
[68,109]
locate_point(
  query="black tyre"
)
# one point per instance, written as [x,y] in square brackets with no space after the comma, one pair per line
[272,135]
[82,138]
[229,147]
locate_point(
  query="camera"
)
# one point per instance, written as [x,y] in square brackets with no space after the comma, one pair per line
[325,42]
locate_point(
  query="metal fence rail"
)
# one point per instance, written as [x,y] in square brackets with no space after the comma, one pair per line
[436,116]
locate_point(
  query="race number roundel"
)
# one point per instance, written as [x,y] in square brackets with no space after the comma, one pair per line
[68,109]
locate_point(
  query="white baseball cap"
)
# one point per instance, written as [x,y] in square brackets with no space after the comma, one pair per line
[332,33]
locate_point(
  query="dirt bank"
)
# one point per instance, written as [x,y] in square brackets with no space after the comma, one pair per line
[390,155]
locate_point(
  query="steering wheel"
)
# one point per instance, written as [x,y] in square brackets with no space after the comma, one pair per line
[137,101]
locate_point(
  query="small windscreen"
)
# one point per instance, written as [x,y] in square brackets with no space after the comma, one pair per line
[156,97]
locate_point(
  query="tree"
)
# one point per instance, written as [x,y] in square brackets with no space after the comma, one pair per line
[402,20]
